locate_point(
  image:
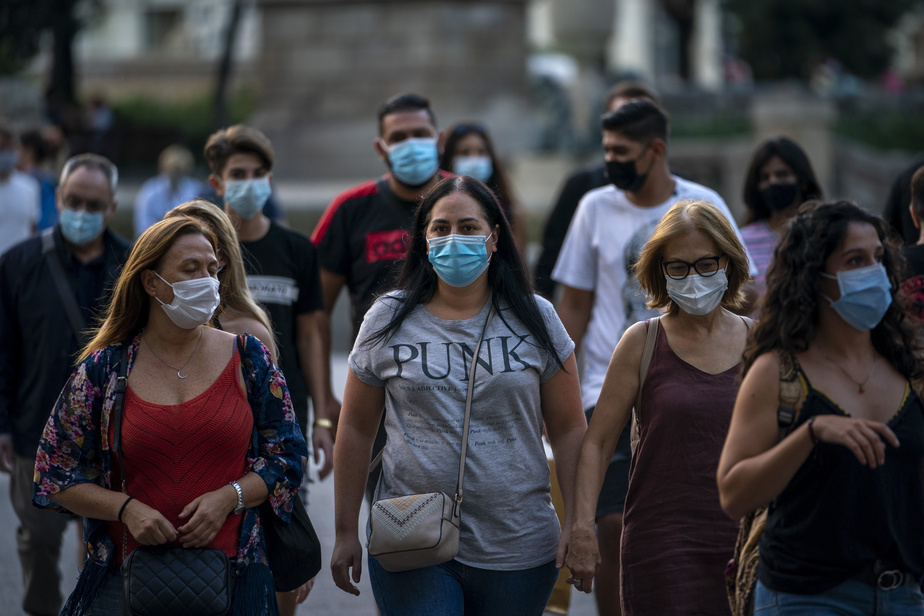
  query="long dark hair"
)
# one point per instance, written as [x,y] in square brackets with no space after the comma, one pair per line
[498,181]
[507,274]
[795,158]
[790,307]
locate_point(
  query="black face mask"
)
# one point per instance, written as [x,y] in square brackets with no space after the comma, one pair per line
[778,197]
[625,176]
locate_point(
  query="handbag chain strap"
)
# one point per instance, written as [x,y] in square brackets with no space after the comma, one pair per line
[468,411]
[121,384]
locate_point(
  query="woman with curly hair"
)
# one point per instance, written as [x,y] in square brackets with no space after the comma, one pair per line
[845,524]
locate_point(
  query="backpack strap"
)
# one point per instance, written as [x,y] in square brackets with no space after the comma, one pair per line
[790,393]
[65,293]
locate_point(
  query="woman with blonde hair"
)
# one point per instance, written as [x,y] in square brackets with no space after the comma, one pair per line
[676,539]
[207,428]
[239,312]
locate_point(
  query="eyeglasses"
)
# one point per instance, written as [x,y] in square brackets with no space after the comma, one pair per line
[75,203]
[678,270]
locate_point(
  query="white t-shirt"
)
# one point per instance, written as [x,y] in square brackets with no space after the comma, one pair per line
[604,240]
[20,208]
[508,522]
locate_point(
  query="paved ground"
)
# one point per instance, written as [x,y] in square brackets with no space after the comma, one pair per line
[326,598]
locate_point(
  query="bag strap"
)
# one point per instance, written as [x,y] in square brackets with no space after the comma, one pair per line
[468,405]
[468,411]
[790,393]
[118,403]
[66,294]
[647,352]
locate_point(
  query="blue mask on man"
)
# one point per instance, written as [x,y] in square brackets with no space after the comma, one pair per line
[80,226]
[866,295]
[247,197]
[459,259]
[414,161]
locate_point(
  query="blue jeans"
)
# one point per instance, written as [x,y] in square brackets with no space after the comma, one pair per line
[850,598]
[454,589]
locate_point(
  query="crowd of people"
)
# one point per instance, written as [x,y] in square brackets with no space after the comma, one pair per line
[170,391]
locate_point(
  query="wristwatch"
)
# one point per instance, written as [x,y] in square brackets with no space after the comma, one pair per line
[240,497]
[324,423]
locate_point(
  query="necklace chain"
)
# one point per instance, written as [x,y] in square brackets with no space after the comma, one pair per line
[860,384]
[180,369]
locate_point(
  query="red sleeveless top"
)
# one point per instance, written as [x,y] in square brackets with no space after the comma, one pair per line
[175,453]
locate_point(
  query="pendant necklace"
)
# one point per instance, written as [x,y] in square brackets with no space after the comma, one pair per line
[180,369]
[860,384]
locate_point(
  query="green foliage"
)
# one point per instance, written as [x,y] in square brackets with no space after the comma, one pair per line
[883,130]
[710,126]
[148,125]
[787,38]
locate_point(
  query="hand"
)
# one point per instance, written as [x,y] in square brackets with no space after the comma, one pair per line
[861,436]
[206,514]
[301,593]
[583,558]
[348,554]
[147,525]
[6,453]
[322,439]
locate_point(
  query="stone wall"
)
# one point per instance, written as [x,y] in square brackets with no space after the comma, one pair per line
[326,66]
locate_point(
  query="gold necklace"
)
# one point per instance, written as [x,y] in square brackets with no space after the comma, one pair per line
[180,369]
[860,384]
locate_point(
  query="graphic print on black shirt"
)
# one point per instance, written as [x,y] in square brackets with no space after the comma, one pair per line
[282,274]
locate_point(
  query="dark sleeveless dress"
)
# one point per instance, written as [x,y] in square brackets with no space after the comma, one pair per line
[676,539]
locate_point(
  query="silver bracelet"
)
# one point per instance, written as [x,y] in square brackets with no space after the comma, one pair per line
[240,496]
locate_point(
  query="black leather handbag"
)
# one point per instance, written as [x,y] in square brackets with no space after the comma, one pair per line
[168,580]
[176,581]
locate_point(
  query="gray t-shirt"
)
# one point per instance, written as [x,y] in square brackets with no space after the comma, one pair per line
[508,521]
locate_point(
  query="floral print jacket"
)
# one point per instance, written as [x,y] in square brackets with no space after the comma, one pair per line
[75,445]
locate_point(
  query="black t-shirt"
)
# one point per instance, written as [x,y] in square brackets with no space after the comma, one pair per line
[362,236]
[282,274]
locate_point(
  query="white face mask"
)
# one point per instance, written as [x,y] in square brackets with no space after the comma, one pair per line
[697,294]
[194,301]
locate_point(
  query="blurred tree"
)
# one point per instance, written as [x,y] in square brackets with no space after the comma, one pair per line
[683,13]
[788,38]
[23,24]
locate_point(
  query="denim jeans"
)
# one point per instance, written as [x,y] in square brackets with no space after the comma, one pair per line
[850,598]
[454,589]
[109,601]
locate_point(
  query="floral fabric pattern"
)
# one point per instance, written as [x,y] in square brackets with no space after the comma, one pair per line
[75,445]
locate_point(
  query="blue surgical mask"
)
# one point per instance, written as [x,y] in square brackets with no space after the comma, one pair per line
[414,161]
[80,226]
[479,167]
[459,259]
[866,295]
[247,197]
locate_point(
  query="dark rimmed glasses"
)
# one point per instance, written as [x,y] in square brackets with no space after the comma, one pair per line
[678,270]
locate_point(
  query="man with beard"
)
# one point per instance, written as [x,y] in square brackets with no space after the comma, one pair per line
[363,233]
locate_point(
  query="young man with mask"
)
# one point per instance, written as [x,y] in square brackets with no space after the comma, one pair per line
[601,298]
[282,274]
[363,235]
[41,332]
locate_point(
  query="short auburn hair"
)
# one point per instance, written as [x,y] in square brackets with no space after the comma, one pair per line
[238,139]
[683,217]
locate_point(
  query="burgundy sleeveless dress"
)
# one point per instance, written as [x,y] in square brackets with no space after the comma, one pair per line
[676,539]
